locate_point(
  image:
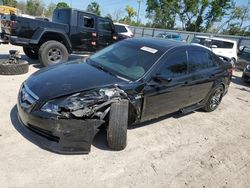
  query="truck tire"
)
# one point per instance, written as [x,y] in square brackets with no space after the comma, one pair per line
[7,68]
[118,123]
[214,98]
[32,53]
[53,52]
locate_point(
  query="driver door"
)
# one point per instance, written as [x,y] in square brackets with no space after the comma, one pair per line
[167,91]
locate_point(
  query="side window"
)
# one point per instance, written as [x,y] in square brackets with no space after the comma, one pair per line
[217,43]
[120,28]
[198,60]
[86,21]
[212,61]
[228,45]
[104,25]
[246,52]
[175,65]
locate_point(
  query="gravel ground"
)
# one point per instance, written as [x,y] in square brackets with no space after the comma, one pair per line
[196,150]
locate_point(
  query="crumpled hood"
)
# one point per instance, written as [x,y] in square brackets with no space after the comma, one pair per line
[69,78]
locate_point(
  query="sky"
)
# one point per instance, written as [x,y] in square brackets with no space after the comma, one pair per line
[109,6]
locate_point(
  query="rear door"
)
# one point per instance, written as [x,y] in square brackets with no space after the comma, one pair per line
[202,72]
[85,37]
[106,34]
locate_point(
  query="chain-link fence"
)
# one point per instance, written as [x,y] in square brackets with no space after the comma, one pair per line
[187,36]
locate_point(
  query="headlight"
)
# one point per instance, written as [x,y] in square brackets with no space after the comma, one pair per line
[81,104]
[51,108]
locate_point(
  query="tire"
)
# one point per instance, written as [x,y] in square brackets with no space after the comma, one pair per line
[53,52]
[7,68]
[214,99]
[32,53]
[118,123]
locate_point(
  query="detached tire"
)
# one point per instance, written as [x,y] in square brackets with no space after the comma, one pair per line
[118,124]
[214,99]
[53,52]
[7,68]
[32,53]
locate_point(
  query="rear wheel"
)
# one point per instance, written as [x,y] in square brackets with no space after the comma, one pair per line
[118,123]
[53,52]
[32,53]
[214,99]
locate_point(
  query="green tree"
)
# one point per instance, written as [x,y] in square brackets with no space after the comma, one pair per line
[62,5]
[11,3]
[50,9]
[216,11]
[94,7]
[131,13]
[162,12]
[35,7]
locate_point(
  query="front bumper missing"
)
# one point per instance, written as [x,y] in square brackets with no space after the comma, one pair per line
[65,136]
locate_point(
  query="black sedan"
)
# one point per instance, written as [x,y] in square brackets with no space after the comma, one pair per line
[132,81]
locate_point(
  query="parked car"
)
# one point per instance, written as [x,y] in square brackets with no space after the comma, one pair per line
[70,30]
[132,81]
[219,46]
[123,29]
[243,58]
[171,36]
[246,74]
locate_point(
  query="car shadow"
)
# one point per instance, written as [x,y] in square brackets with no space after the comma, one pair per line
[100,139]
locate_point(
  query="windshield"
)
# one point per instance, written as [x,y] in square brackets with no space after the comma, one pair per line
[125,59]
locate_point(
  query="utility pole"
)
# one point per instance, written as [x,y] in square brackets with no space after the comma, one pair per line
[71,3]
[138,12]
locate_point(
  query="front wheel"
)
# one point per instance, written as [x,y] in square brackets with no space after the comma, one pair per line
[53,52]
[214,99]
[118,123]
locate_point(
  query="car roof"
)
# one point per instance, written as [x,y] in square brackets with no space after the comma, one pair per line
[216,38]
[157,43]
[121,24]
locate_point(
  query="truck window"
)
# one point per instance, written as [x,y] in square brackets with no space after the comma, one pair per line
[61,16]
[86,20]
[104,25]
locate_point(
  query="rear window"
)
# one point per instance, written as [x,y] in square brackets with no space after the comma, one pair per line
[61,16]
[198,60]
[120,29]
[104,25]
[222,44]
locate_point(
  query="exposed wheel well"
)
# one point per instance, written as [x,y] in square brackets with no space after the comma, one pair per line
[54,36]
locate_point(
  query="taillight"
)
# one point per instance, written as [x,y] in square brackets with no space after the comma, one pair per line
[13,24]
[230,71]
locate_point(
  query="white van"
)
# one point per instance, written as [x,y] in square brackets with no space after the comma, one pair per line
[219,46]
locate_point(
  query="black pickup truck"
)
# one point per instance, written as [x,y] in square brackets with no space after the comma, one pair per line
[69,31]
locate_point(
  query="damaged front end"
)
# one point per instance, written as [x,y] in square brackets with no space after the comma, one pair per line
[68,124]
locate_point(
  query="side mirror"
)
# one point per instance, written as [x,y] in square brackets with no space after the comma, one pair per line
[162,79]
[214,46]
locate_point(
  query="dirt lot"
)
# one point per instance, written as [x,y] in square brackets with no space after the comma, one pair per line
[197,150]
